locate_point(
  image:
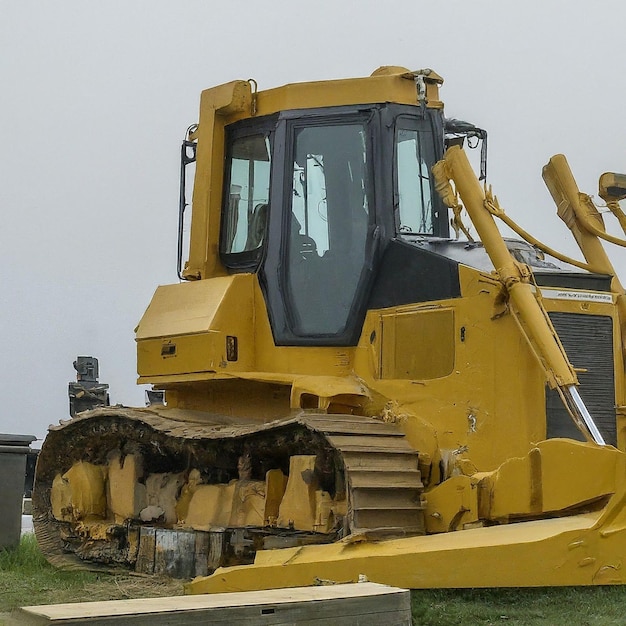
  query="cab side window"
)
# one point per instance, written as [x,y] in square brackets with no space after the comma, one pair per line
[416,201]
[248,195]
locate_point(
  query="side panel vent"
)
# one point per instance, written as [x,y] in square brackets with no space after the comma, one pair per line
[588,341]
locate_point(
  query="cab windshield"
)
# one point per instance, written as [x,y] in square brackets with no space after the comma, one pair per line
[327,226]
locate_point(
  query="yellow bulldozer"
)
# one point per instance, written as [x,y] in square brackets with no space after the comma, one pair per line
[356,382]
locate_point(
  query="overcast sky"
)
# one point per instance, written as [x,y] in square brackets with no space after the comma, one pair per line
[96,96]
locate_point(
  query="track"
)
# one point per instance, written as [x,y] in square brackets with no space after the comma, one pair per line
[364,461]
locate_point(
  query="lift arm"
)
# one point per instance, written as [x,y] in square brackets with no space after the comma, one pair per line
[583,219]
[516,279]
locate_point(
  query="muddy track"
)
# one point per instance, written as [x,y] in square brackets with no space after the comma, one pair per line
[370,460]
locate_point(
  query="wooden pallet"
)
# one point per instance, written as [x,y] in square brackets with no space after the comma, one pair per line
[366,604]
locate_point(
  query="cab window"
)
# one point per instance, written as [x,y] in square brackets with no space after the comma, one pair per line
[246,197]
[414,158]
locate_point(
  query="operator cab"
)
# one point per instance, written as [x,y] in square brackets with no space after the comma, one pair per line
[312,198]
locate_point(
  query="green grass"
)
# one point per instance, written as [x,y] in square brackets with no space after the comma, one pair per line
[573,606]
[26,578]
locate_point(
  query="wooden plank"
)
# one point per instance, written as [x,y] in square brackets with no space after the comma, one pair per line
[216,549]
[133,537]
[368,604]
[145,555]
[174,553]
[201,554]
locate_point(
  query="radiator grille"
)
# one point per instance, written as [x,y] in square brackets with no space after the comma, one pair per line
[588,341]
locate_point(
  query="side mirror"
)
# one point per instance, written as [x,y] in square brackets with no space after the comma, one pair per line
[612,187]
